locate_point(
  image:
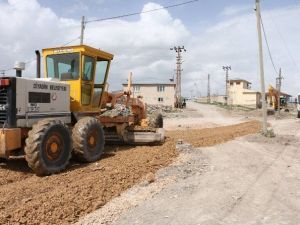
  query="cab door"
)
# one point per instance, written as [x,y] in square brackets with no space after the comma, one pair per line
[87,85]
[102,67]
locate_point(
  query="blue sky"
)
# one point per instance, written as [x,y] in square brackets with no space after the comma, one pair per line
[215,33]
[193,15]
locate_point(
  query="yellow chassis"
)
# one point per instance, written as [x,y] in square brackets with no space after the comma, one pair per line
[10,139]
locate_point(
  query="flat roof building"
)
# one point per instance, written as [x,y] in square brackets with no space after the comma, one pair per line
[154,93]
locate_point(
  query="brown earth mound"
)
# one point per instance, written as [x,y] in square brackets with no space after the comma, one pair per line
[63,198]
[212,136]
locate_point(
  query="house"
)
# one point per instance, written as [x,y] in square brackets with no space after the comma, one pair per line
[154,93]
[240,93]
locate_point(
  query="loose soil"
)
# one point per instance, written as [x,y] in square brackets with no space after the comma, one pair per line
[63,198]
[212,136]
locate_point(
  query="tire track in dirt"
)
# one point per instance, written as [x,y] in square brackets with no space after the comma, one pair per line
[63,198]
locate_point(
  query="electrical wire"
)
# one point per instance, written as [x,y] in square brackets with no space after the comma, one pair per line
[268,46]
[143,12]
[285,45]
[3,71]
[69,42]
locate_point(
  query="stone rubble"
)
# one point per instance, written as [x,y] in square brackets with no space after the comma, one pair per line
[122,110]
[161,109]
[118,110]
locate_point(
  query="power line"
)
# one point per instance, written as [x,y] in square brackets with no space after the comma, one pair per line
[69,42]
[268,46]
[179,61]
[208,88]
[226,69]
[143,12]
[261,66]
[285,45]
[3,71]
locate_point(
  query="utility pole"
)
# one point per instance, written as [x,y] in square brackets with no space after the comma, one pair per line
[278,87]
[178,50]
[261,62]
[226,69]
[192,94]
[82,29]
[208,88]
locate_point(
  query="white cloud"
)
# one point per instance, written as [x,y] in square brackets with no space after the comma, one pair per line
[142,45]
[233,10]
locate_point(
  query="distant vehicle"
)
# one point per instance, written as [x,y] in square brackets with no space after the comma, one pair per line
[274,97]
[184,103]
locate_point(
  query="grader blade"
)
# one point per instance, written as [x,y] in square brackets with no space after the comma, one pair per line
[140,137]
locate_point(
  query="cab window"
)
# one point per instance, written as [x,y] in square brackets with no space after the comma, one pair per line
[86,90]
[101,69]
[63,66]
[88,68]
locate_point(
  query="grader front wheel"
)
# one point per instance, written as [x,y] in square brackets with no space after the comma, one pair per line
[88,139]
[48,147]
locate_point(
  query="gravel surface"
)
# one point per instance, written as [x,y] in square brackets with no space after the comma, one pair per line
[64,198]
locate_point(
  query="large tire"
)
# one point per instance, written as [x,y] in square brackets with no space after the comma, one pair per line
[156,120]
[88,139]
[48,147]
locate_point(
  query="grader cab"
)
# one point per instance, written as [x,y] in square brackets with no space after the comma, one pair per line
[85,69]
[70,111]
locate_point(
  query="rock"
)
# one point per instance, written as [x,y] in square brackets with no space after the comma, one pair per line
[118,110]
[26,200]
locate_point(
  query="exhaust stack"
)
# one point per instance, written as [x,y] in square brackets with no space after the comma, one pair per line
[19,66]
[38,64]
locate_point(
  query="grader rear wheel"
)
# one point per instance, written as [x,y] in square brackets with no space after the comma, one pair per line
[48,147]
[88,139]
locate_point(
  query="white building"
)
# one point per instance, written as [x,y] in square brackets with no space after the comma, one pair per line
[154,93]
[240,93]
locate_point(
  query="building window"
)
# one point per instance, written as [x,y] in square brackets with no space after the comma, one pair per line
[160,88]
[160,99]
[136,88]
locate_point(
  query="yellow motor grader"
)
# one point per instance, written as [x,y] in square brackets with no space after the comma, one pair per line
[69,111]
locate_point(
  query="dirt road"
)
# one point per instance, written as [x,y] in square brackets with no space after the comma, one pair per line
[201,116]
[250,180]
[64,198]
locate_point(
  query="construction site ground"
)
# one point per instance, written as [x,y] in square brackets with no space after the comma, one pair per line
[221,172]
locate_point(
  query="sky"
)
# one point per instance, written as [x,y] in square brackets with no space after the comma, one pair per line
[215,33]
